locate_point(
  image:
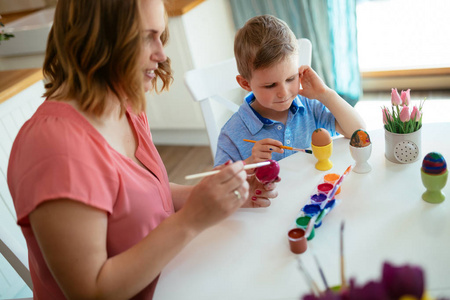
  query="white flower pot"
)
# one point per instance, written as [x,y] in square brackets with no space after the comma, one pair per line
[403,148]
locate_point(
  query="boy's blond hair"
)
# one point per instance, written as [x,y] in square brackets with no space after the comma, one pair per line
[261,42]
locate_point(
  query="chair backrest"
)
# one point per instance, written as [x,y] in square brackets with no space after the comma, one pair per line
[216,84]
[13,114]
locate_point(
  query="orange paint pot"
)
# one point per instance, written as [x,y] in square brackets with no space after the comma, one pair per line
[332,178]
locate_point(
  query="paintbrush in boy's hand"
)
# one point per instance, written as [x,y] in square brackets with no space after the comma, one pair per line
[285,147]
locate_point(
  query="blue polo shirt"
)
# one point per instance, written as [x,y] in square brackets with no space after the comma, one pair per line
[305,115]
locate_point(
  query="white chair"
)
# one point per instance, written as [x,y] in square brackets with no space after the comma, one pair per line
[13,113]
[216,84]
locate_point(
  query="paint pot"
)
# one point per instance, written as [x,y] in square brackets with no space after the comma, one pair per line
[318,198]
[302,222]
[318,224]
[311,209]
[325,187]
[330,204]
[332,178]
[297,240]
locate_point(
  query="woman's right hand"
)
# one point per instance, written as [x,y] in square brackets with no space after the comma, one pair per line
[217,196]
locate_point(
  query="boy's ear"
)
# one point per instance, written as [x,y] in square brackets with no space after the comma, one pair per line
[243,83]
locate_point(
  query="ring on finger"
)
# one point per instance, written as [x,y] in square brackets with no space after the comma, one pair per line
[237,194]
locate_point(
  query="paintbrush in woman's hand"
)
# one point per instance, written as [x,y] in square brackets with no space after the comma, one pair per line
[209,173]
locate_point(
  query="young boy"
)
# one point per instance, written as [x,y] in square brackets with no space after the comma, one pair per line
[277,112]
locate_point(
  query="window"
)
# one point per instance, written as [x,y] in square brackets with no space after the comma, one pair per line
[403,34]
[404,44]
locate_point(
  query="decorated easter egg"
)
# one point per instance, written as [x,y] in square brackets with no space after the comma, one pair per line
[269,173]
[320,137]
[360,138]
[434,163]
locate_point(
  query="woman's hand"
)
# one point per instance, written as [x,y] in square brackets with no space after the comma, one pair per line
[262,151]
[260,194]
[218,196]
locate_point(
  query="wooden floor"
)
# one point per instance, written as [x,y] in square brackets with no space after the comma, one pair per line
[184,160]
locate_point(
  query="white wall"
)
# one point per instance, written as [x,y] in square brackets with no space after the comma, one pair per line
[202,36]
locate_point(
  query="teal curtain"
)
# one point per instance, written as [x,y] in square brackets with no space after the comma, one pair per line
[330,25]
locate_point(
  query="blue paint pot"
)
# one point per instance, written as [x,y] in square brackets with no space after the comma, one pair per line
[311,209]
[330,203]
[317,225]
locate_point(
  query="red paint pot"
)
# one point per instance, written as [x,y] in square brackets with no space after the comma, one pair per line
[297,240]
[325,187]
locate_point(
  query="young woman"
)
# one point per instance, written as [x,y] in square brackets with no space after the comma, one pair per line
[92,196]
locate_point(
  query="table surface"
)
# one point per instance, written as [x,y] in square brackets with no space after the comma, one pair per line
[247,256]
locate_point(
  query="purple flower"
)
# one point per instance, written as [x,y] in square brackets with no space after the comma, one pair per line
[370,291]
[395,283]
[415,114]
[406,98]
[404,114]
[326,296]
[405,280]
[395,98]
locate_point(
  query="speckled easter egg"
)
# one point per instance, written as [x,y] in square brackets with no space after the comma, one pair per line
[320,137]
[434,163]
[360,138]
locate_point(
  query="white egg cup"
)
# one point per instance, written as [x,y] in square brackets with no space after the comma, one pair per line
[361,155]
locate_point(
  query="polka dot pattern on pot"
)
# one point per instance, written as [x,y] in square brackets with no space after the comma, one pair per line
[406,151]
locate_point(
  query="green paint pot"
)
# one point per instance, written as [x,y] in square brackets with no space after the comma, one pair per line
[302,222]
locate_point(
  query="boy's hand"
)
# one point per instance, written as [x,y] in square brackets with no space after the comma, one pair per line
[262,150]
[312,86]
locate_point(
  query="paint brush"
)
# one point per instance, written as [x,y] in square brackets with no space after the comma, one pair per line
[285,147]
[322,274]
[343,282]
[310,225]
[209,173]
[338,184]
[312,284]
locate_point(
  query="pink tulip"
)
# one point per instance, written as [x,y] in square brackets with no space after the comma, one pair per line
[404,114]
[395,98]
[416,114]
[386,115]
[406,98]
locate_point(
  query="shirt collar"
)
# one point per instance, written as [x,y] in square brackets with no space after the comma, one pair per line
[254,121]
[249,99]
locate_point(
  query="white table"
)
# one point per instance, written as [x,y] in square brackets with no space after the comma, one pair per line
[247,256]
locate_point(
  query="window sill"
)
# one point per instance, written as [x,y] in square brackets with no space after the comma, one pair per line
[417,79]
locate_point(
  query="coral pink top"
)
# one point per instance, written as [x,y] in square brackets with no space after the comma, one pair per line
[59,154]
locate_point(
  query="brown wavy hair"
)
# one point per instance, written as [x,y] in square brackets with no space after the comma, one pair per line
[262,42]
[93,49]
